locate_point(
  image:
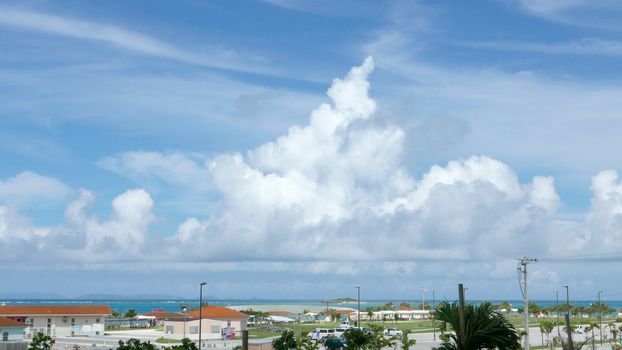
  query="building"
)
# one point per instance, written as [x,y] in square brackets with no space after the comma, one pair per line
[59,321]
[11,330]
[217,322]
[157,318]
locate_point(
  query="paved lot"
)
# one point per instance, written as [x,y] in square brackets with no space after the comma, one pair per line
[425,341]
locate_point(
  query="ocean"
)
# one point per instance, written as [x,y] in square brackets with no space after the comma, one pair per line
[142,306]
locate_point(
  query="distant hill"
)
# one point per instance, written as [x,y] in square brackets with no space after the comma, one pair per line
[129,297]
[22,296]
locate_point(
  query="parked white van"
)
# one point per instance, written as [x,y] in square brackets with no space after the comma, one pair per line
[320,333]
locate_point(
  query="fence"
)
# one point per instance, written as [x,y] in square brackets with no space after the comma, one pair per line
[13,345]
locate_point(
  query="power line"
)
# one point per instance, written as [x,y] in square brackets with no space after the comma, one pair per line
[599,257]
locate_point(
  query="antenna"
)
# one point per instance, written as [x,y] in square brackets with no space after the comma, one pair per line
[522,272]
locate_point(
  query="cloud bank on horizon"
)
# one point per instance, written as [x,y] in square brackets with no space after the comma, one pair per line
[337,181]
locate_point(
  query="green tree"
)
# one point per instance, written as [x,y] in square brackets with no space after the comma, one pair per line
[370,315]
[135,344]
[506,306]
[590,328]
[484,328]
[546,327]
[186,344]
[131,313]
[376,340]
[356,339]
[406,343]
[41,342]
[614,331]
[115,313]
[286,341]
[308,344]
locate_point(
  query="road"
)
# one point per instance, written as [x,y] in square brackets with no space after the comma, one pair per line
[425,341]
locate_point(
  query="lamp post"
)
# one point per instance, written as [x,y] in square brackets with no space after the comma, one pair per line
[557,312]
[201,310]
[423,298]
[568,331]
[600,318]
[358,308]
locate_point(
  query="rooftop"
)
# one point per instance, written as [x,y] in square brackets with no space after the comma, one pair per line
[217,312]
[23,310]
[7,322]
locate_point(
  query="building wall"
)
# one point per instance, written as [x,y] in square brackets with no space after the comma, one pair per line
[65,326]
[14,333]
[210,328]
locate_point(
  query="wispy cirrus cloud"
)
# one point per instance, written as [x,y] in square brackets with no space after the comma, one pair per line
[582,13]
[130,40]
[585,46]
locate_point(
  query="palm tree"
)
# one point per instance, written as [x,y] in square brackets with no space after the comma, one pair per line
[484,328]
[614,331]
[546,327]
[591,328]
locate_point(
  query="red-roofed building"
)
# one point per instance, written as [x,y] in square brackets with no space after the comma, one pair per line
[59,320]
[218,322]
[11,330]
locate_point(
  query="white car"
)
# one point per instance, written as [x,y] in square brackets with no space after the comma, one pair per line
[320,333]
[393,332]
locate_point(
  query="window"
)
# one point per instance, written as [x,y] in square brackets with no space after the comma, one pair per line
[73,321]
[5,336]
[194,329]
[169,329]
[215,328]
[228,323]
[97,320]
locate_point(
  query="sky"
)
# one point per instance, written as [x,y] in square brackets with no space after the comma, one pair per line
[286,149]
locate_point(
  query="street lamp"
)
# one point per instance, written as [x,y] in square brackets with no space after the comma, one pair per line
[358,309]
[423,299]
[568,319]
[600,318]
[201,310]
[567,302]
[557,312]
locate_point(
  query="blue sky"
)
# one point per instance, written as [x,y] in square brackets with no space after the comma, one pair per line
[185,141]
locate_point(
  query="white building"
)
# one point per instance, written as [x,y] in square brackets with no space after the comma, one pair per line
[217,322]
[11,330]
[59,321]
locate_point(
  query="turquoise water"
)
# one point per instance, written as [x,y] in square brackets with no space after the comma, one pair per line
[174,305]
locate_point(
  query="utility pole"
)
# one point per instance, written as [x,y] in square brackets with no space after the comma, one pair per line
[522,269]
[600,318]
[557,312]
[423,299]
[200,312]
[461,313]
[358,305]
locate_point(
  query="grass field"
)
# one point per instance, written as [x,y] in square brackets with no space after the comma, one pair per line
[415,326]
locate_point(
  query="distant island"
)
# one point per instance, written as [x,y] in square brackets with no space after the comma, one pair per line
[344,301]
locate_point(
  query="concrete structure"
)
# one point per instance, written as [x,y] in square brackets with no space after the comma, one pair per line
[59,321]
[218,323]
[11,330]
